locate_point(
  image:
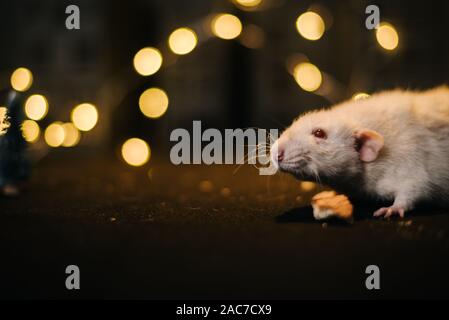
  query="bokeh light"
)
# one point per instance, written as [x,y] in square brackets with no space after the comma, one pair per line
[249,3]
[3,123]
[310,25]
[182,41]
[30,130]
[21,79]
[71,135]
[308,76]
[84,116]
[252,37]
[225,192]
[36,107]
[153,102]
[307,186]
[226,26]
[360,95]
[147,61]
[387,36]
[136,152]
[54,134]
[206,186]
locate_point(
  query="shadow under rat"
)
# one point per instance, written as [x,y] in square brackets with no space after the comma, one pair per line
[363,210]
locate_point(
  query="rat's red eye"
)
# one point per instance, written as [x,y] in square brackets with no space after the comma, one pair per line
[319,133]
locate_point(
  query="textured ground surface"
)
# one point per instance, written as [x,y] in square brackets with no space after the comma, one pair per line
[168,234]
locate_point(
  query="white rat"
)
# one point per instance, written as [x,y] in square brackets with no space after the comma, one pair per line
[392,146]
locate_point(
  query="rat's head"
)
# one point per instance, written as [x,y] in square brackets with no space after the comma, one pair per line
[325,144]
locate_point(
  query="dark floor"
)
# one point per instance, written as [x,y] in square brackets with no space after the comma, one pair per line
[164,234]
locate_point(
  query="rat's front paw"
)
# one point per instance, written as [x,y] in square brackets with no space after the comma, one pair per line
[388,212]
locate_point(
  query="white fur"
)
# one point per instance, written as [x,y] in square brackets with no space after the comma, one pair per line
[412,166]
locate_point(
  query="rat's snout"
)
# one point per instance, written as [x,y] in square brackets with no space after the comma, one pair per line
[277,152]
[280,155]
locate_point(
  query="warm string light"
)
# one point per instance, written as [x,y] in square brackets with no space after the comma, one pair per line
[153,102]
[4,124]
[71,135]
[310,25]
[360,96]
[136,152]
[147,61]
[84,116]
[21,79]
[30,131]
[308,76]
[387,36]
[248,3]
[307,186]
[54,134]
[182,41]
[226,26]
[36,107]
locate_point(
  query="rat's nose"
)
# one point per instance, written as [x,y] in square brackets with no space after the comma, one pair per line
[280,155]
[277,154]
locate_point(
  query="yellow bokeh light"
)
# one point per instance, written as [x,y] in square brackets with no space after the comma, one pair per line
[54,134]
[3,112]
[182,41]
[307,186]
[21,79]
[153,102]
[3,123]
[71,135]
[136,152]
[387,36]
[36,107]
[249,3]
[30,130]
[226,26]
[147,61]
[308,76]
[84,116]
[206,186]
[310,25]
[360,95]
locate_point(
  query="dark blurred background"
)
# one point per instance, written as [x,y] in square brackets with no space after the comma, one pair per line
[166,231]
[243,82]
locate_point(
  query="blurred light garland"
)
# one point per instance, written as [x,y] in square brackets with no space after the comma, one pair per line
[226,26]
[308,76]
[84,116]
[154,102]
[136,152]
[30,131]
[54,134]
[310,25]
[182,41]
[36,107]
[21,79]
[387,36]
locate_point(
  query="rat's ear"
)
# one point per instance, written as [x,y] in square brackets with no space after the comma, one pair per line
[368,144]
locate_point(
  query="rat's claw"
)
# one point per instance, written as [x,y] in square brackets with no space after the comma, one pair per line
[380,212]
[388,212]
